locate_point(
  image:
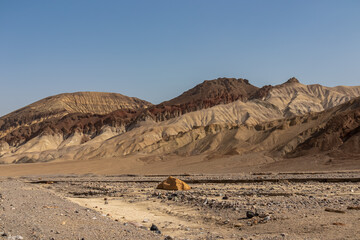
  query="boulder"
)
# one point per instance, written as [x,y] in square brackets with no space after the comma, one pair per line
[172,183]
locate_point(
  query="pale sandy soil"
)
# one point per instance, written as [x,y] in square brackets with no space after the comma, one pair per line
[172,164]
[28,211]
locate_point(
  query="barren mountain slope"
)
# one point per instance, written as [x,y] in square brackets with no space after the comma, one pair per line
[340,135]
[53,114]
[63,104]
[294,98]
[291,97]
[189,135]
[272,121]
[204,95]
[222,90]
[211,132]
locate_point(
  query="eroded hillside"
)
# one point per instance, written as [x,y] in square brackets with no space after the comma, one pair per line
[222,117]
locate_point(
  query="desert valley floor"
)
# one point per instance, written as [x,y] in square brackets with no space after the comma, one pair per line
[84,202]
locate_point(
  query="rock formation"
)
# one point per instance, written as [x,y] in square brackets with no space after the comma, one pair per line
[172,183]
[222,117]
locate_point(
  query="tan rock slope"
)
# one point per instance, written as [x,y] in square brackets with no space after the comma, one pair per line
[202,96]
[223,117]
[64,111]
[294,98]
[63,104]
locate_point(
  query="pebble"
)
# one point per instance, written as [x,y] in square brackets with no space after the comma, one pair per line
[250,214]
[155,229]
[238,225]
[18,237]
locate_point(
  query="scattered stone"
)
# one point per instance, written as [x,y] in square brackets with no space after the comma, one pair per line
[155,229]
[334,210]
[238,225]
[250,214]
[353,207]
[18,237]
[255,221]
[225,197]
[263,215]
[338,224]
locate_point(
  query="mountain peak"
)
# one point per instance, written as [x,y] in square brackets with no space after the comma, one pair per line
[220,90]
[292,80]
[227,80]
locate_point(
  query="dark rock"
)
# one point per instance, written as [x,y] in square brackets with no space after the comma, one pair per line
[155,229]
[251,214]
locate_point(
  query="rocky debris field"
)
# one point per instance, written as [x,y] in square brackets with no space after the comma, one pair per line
[29,211]
[246,206]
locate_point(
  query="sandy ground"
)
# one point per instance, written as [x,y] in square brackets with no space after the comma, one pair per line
[28,211]
[173,164]
[289,206]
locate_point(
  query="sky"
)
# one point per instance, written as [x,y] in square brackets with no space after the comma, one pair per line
[155,50]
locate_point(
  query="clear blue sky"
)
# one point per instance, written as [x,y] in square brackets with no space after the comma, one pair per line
[157,49]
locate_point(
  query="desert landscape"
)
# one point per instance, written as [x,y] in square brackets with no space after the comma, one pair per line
[276,162]
[179,120]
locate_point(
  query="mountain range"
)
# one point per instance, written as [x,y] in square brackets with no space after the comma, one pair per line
[217,119]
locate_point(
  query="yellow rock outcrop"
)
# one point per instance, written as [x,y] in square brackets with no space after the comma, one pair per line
[172,183]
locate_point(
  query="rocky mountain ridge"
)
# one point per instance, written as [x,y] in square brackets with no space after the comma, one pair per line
[197,122]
